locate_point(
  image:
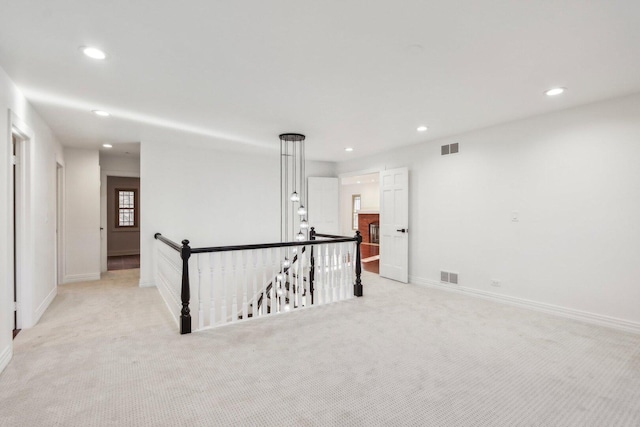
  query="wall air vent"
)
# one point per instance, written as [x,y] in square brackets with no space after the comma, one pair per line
[450,149]
[453,278]
[444,276]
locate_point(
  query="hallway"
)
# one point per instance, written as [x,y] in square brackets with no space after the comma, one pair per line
[108,353]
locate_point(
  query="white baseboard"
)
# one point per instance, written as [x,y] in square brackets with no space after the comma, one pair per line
[584,316]
[146,284]
[88,277]
[124,252]
[45,304]
[5,356]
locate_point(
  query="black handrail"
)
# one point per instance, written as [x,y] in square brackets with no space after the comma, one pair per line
[168,242]
[269,245]
[333,236]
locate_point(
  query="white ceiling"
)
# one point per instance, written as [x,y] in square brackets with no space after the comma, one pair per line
[344,72]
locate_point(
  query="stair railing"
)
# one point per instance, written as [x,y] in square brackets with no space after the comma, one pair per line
[233,283]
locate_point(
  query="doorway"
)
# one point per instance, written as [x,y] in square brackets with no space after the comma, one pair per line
[360,211]
[16,215]
[123,223]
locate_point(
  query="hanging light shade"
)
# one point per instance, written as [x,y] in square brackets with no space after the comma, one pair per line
[293,188]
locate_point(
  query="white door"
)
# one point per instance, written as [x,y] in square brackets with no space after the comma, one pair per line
[324,207]
[394,224]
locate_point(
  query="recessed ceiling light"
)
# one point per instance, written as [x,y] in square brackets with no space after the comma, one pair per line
[555,91]
[107,145]
[357,182]
[100,113]
[348,149]
[422,129]
[93,52]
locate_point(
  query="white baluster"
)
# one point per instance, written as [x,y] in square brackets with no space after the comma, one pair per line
[302,257]
[313,259]
[254,304]
[263,286]
[352,265]
[200,306]
[343,267]
[320,275]
[244,284]
[223,306]
[296,291]
[332,269]
[330,273]
[273,304]
[285,281]
[339,273]
[212,298]
[234,287]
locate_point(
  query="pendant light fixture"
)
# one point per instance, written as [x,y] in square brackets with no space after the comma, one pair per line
[293,195]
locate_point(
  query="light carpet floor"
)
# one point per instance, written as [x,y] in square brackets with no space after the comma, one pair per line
[108,353]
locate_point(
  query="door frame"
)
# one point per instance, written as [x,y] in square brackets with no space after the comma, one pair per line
[348,174]
[23,238]
[103,210]
[60,265]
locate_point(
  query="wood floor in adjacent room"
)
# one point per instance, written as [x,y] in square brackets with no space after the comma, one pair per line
[123,262]
[109,353]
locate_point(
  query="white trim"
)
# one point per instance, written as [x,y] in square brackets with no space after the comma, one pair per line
[5,356]
[87,277]
[103,211]
[359,172]
[60,218]
[340,190]
[45,304]
[146,284]
[24,224]
[570,313]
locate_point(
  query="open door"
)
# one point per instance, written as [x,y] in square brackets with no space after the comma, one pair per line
[394,224]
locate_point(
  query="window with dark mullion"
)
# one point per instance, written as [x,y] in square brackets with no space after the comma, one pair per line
[126,214]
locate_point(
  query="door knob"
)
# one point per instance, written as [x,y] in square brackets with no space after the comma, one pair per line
[403,230]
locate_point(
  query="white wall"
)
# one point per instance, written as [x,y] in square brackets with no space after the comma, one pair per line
[206,196]
[82,219]
[210,197]
[574,179]
[44,152]
[117,163]
[369,198]
[112,165]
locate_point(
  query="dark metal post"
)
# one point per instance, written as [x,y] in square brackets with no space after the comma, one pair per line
[357,286]
[312,271]
[185,316]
